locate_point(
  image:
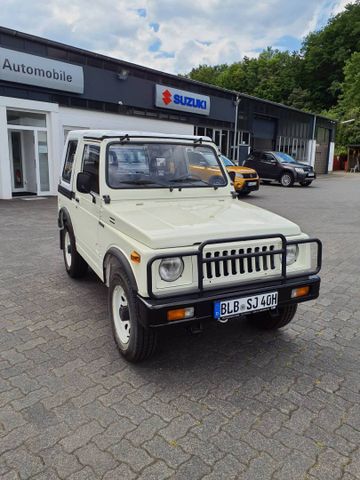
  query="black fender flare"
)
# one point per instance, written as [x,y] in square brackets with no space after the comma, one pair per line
[64,218]
[115,255]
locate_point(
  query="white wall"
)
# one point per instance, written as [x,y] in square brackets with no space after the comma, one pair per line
[331,156]
[311,152]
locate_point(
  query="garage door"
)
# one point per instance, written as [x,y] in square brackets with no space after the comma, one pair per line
[322,150]
[264,133]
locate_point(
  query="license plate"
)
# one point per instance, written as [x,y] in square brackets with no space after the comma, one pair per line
[252,184]
[241,306]
[310,174]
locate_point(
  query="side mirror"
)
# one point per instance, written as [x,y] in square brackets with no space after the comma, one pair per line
[232,176]
[83,182]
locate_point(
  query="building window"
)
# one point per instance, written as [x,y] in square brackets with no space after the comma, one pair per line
[90,164]
[27,119]
[69,160]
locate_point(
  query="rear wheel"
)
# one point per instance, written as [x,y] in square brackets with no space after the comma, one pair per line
[75,265]
[287,179]
[134,342]
[306,183]
[272,320]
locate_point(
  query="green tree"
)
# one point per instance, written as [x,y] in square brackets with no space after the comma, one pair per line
[325,53]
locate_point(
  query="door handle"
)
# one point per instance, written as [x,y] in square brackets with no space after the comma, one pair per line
[77,200]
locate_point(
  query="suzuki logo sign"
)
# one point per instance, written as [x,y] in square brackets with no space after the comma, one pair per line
[174,99]
[167,97]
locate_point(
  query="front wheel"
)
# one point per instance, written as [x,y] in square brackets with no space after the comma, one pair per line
[75,265]
[270,320]
[287,180]
[306,183]
[134,342]
[243,194]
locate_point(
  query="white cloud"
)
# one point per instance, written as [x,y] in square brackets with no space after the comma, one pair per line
[190,33]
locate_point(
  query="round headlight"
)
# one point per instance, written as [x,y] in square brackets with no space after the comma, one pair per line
[292,252]
[170,269]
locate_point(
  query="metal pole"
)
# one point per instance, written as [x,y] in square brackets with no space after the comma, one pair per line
[236,103]
[313,147]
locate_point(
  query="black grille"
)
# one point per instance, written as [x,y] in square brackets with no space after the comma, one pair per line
[231,265]
[249,175]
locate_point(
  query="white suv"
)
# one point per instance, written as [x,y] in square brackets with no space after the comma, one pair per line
[172,244]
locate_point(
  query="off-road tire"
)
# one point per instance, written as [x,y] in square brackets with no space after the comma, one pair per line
[75,265]
[287,179]
[243,194]
[273,320]
[142,341]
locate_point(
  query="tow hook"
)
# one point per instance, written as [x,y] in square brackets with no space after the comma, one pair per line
[196,328]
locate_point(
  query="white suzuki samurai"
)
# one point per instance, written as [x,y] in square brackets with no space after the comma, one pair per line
[166,234]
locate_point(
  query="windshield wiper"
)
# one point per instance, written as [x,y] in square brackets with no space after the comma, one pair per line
[142,182]
[185,178]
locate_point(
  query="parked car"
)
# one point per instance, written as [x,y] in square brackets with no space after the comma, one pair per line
[245,179]
[172,247]
[280,167]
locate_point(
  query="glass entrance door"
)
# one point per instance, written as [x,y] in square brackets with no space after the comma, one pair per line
[17,161]
[29,152]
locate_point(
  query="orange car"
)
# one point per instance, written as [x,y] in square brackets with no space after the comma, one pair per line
[245,179]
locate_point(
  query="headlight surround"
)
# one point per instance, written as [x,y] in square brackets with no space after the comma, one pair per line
[170,269]
[239,175]
[299,170]
[292,253]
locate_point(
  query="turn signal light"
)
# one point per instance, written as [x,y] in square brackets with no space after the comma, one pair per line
[180,313]
[135,257]
[300,292]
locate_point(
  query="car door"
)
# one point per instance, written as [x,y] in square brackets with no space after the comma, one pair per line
[89,207]
[253,161]
[269,166]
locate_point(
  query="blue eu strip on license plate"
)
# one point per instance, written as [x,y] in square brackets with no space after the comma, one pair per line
[244,305]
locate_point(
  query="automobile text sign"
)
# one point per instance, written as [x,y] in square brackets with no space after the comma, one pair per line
[30,69]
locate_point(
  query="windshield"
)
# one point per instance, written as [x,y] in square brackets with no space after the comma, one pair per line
[154,165]
[284,157]
[227,162]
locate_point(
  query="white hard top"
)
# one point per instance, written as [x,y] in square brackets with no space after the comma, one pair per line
[99,134]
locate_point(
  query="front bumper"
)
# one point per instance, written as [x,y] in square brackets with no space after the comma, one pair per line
[153,311]
[304,177]
[243,186]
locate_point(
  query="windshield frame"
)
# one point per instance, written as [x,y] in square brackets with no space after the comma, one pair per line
[278,156]
[173,186]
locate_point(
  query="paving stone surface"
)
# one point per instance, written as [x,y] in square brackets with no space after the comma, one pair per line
[232,403]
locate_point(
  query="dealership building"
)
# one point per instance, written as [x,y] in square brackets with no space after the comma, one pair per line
[48,89]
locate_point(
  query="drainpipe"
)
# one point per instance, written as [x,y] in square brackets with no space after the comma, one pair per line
[235,146]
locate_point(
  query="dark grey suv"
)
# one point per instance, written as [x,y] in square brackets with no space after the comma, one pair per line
[280,167]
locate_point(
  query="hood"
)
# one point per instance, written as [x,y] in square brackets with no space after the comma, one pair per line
[305,166]
[185,222]
[239,169]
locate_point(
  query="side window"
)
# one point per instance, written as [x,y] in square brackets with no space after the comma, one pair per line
[69,160]
[90,164]
[267,158]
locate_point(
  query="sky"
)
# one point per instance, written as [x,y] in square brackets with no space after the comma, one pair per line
[172,35]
